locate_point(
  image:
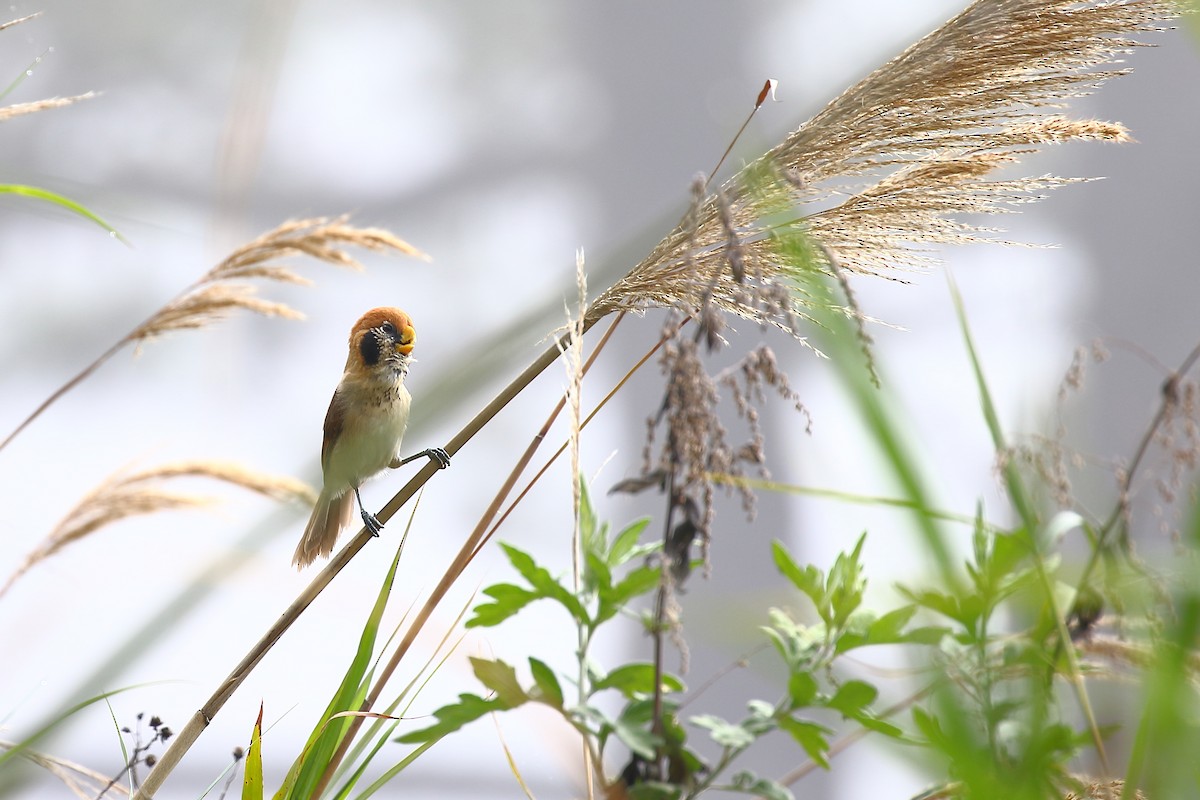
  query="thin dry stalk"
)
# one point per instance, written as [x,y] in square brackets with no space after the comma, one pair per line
[20,109]
[221,290]
[19,20]
[82,782]
[122,496]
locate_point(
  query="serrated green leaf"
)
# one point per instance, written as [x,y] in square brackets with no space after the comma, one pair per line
[852,696]
[451,717]
[812,737]
[548,687]
[726,734]
[509,599]
[631,679]
[543,582]
[749,783]
[501,678]
[639,581]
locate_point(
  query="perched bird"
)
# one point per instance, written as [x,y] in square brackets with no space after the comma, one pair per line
[363,427]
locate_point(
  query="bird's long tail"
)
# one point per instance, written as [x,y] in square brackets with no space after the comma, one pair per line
[329,516]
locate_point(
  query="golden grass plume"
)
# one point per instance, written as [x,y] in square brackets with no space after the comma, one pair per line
[890,166]
[221,289]
[124,495]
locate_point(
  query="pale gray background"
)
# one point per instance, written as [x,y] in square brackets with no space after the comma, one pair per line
[499,138]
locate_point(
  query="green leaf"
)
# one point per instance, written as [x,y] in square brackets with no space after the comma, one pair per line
[808,580]
[726,734]
[654,790]
[327,736]
[802,689]
[639,581]
[631,679]
[929,727]
[501,679]
[750,783]
[811,736]
[597,577]
[59,200]
[252,777]
[889,628]
[623,545]
[451,717]
[549,690]
[544,583]
[509,599]
[852,696]
[633,728]
[845,584]
[878,725]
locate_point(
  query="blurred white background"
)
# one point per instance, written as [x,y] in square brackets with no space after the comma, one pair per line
[498,138]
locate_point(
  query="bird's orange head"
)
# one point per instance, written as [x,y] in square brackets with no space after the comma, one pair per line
[383,338]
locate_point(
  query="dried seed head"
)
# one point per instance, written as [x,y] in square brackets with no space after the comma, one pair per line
[911,149]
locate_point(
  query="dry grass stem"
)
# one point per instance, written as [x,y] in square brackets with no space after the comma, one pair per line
[20,109]
[890,167]
[122,496]
[19,20]
[82,782]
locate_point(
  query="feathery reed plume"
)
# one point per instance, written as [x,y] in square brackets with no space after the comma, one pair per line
[220,290]
[127,495]
[910,148]
[223,289]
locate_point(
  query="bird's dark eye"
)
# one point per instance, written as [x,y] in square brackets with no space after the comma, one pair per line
[389,328]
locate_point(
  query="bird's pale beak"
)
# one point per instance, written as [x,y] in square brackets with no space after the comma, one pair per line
[408,337]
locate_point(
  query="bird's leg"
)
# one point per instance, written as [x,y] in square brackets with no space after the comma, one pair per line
[435,454]
[373,525]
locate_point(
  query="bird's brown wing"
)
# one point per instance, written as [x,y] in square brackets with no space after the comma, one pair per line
[335,419]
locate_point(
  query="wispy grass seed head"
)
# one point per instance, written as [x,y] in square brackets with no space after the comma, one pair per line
[892,165]
[124,495]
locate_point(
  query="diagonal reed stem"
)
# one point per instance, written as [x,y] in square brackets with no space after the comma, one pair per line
[466,554]
[187,736]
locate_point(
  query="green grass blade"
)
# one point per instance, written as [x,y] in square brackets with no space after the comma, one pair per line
[64,202]
[1012,476]
[252,780]
[325,738]
[29,741]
